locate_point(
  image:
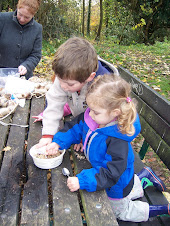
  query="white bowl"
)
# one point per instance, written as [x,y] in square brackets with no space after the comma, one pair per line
[46,163]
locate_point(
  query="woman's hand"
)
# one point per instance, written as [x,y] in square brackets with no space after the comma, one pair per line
[73,183]
[22,70]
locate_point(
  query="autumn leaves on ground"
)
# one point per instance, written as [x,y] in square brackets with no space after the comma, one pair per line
[148,63]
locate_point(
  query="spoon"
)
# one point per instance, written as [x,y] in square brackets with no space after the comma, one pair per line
[65,172]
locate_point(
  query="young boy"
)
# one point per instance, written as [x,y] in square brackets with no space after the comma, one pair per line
[75,65]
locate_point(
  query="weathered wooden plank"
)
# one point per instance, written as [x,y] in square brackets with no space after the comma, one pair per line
[96,205]
[12,168]
[35,207]
[3,136]
[150,96]
[66,209]
[155,141]
[153,119]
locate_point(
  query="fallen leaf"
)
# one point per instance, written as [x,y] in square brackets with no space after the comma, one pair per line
[7,148]
[151,159]
[167,195]
[156,88]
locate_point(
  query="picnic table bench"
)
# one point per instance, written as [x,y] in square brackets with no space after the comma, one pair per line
[32,196]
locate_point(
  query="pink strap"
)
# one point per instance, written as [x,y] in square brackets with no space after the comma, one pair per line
[128,99]
[85,142]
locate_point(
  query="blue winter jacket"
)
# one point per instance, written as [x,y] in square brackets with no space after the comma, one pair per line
[101,69]
[109,152]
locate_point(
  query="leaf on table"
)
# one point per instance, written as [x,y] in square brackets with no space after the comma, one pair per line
[7,148]
[167,195]
[48,175]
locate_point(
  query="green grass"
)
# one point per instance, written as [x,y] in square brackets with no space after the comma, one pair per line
[150,63]
[49,47]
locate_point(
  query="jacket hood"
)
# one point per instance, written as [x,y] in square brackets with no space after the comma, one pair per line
[111,129]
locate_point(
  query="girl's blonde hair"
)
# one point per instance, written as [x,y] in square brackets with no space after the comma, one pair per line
[33,5]
[112,92]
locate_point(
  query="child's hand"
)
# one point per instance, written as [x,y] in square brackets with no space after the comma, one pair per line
[73,183]
[52,148]
[38,117]
[44,142]
[78,147]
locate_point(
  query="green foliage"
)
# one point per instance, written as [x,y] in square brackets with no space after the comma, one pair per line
[119,23]
[125,22]
[137,21]
[8,5]
[148,62]
[50,46]
[57,19]
[155,14]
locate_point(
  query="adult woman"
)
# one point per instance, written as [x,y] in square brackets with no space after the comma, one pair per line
[21,38]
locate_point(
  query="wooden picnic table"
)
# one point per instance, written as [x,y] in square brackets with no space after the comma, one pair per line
[33,196]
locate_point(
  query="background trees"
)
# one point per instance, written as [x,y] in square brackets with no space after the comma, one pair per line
[124,21]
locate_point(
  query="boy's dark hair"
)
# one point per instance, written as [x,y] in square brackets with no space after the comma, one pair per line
[75,59]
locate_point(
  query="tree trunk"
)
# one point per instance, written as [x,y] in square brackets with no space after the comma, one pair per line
[83,17]
[147,28]
[101,21]
[88,19]
[106,18]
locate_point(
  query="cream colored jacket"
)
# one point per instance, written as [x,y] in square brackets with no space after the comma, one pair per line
[56,99]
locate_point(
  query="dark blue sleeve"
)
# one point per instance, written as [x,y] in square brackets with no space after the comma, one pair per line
[108,173]
[101,69]
[71,133]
